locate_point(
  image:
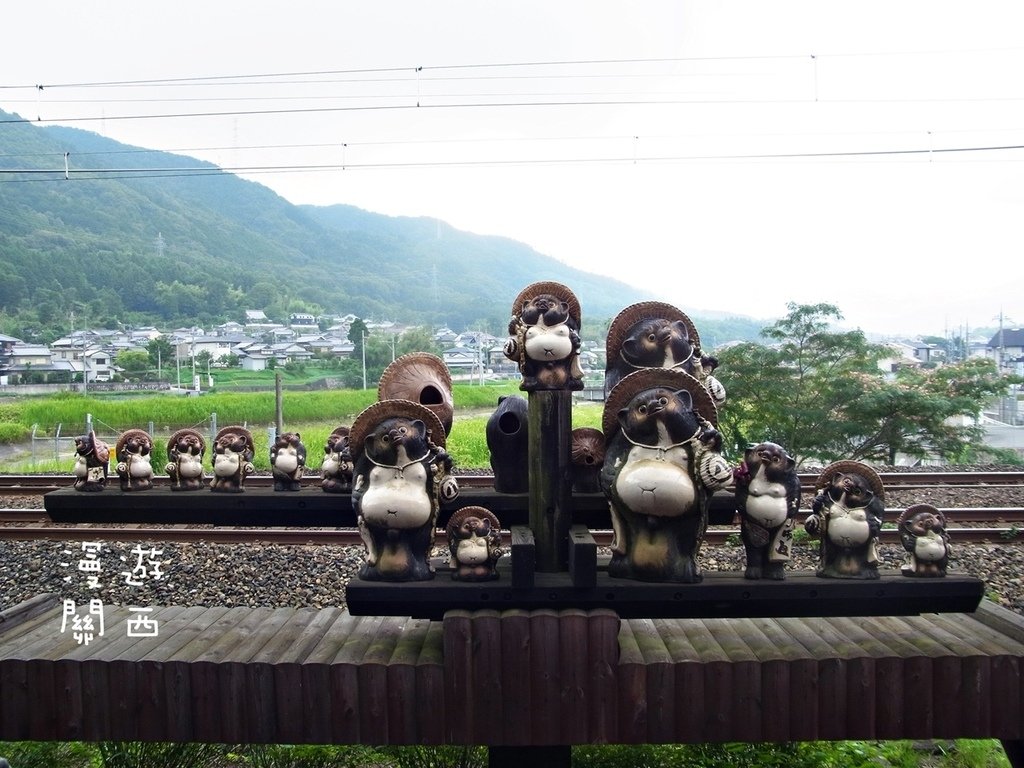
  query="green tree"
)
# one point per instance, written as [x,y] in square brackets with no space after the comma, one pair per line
[921,412]
[133,360]
[417,340]
[822,395]
[161,352]
[356,333]
[791,391]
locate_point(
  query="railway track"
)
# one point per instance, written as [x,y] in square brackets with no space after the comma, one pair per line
[1004,525]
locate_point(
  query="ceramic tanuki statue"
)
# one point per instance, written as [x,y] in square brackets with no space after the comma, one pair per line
[336,469]
[586,448]
[474,540]
[508,438]
[653,334]
[767,498]
[659,425]
[847,516]
[185,452]
[232,460]
[92,462]
[923,534]
[544,338]
[134,464]
[288,461]
[401,474]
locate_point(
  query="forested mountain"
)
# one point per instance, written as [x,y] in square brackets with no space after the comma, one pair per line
[189,243]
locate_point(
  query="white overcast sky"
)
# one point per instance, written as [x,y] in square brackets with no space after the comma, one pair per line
[647,141]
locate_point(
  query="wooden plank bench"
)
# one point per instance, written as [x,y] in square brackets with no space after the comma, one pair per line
[542,678]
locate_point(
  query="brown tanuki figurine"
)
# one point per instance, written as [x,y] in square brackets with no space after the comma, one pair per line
[401,474]
[923,534]
[474,540]
[134,465]
[185,451]
[544,338]
[767,498]
[336,469]
[92,463]
[847,516]
[288,461]
[232,460]
[660,429]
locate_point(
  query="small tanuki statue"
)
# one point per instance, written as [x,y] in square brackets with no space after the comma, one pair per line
[185,451]
[233,452]
[134,460]
[847,516]
[336,469]
[288,461]
[767,498]
[474,540]
[92,462]
[661,465]
[544,338]
[922,530]
[653,334]
[422,378]
[401,474]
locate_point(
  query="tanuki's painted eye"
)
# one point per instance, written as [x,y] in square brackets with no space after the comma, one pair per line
[642,409]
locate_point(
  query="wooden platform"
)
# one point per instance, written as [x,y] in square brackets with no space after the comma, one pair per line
[722,594]
[517,677]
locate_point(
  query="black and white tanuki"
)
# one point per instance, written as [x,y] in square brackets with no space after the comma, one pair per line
[401,474]
[336,468]
[767,499]
[544,338]
[185,451]
[847,516]
[288,461]
[658,498]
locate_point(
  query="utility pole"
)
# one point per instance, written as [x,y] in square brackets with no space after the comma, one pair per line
[363,346]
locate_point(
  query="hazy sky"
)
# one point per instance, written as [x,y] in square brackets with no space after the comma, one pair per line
[728,155]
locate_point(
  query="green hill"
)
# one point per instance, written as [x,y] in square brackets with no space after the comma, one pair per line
[175,240]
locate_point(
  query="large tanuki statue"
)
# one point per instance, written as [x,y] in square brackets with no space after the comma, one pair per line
[660,468]
[544,338]
[401,474]
[847,515]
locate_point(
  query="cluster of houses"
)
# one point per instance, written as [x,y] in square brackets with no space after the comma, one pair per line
[91,355]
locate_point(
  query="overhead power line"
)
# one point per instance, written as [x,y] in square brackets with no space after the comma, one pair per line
[128,173]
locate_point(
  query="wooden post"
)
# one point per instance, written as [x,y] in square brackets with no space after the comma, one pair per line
[278,404]
[550,417]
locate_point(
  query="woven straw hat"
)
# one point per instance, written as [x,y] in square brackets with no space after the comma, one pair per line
[173,441]
[555,289]
[128,435]
[238,431]
[915,509]
[645,310]
[409,376]
[849,467]
[373,415]
[650,378]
